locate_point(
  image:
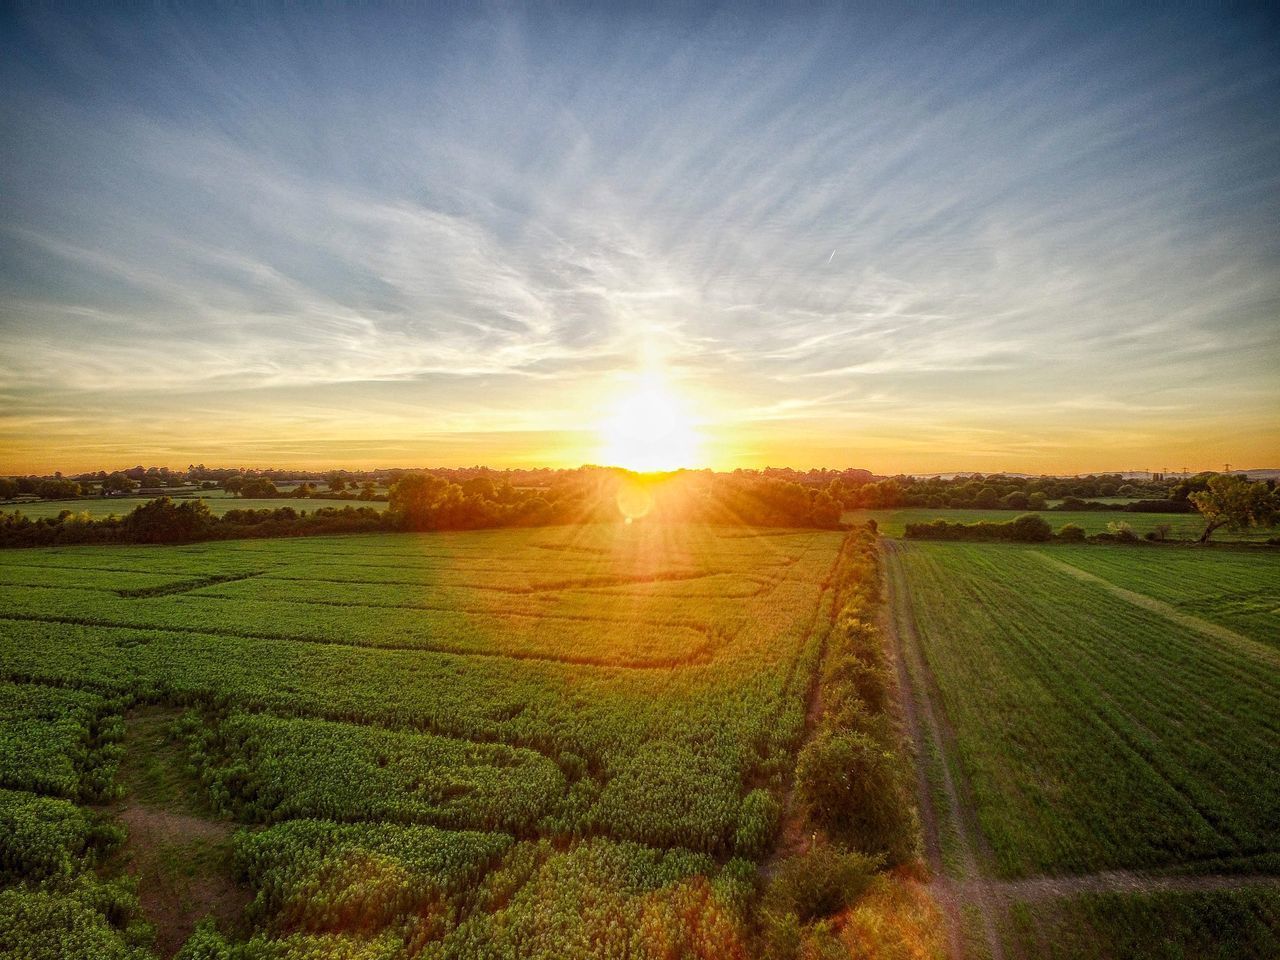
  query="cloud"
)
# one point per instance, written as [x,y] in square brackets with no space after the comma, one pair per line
[491,219]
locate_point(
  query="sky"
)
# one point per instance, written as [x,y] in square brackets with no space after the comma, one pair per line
[833,236]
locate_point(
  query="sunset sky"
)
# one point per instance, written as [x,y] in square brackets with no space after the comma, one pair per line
[830,237]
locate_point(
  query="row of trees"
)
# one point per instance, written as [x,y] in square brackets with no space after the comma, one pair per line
[1230,502]
[427,501]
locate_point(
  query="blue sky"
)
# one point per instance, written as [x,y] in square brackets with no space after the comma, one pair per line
[842,236]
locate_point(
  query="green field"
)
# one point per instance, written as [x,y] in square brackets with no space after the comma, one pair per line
[219,503]
[1185,526]
[1148,926]
[1106,715]
[1107,735]
[513,742]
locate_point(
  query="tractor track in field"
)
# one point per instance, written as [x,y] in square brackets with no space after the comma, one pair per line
[932,735]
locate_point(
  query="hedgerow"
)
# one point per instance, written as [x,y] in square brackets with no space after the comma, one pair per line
[850,776]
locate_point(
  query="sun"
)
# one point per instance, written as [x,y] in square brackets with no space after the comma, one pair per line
[649,428]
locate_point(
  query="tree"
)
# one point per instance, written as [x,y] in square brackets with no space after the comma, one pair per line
[1016,500]
[1233,502]
[118,483]
[337,482]
[417,499]
[163,521]
[987,498]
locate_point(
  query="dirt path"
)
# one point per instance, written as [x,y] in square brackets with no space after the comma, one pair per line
[177,848]
[929,731]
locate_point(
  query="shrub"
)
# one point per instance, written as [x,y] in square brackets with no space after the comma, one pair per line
[1071,533]
[1031,528]
[852,786]
[819,882]
[1122,531]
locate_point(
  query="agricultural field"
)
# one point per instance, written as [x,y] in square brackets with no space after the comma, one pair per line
[537,743]
[218,501]
[1111,791]
[1183,526]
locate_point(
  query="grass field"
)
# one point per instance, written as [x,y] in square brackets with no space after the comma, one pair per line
[1107,735]
[1105,728]
[464,739]
[1185,526]
[1149,926]
[219,503]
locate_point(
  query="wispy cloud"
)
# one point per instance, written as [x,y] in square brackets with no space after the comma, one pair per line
[852,222]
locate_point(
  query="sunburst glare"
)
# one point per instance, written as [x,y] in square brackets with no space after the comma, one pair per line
[649,427]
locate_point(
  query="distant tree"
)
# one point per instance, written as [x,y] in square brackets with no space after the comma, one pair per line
[1037,501]
[8,488]
[418,498]
[825,511]
[258,487]
[1016,500]
[987,498]
[118,482]
[163,521]
[1233,502]
[336,481]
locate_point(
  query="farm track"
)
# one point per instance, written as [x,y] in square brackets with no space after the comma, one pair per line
[931,735]
[928,733]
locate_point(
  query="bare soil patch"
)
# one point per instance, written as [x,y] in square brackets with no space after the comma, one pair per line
[177,848]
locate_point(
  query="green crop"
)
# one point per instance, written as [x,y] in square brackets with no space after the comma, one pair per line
[1106,735]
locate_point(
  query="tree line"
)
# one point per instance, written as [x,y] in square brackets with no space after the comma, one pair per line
[1228,501]
[428,501]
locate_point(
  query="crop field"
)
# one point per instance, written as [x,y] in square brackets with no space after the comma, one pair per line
[1184,526]
[218,502]
[543,743]
[1128,727]
[1244,922]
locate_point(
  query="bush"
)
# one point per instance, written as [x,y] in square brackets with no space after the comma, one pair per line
[1031,528]
[852,786]
[818,883]
[1122,531]
[1071,533]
